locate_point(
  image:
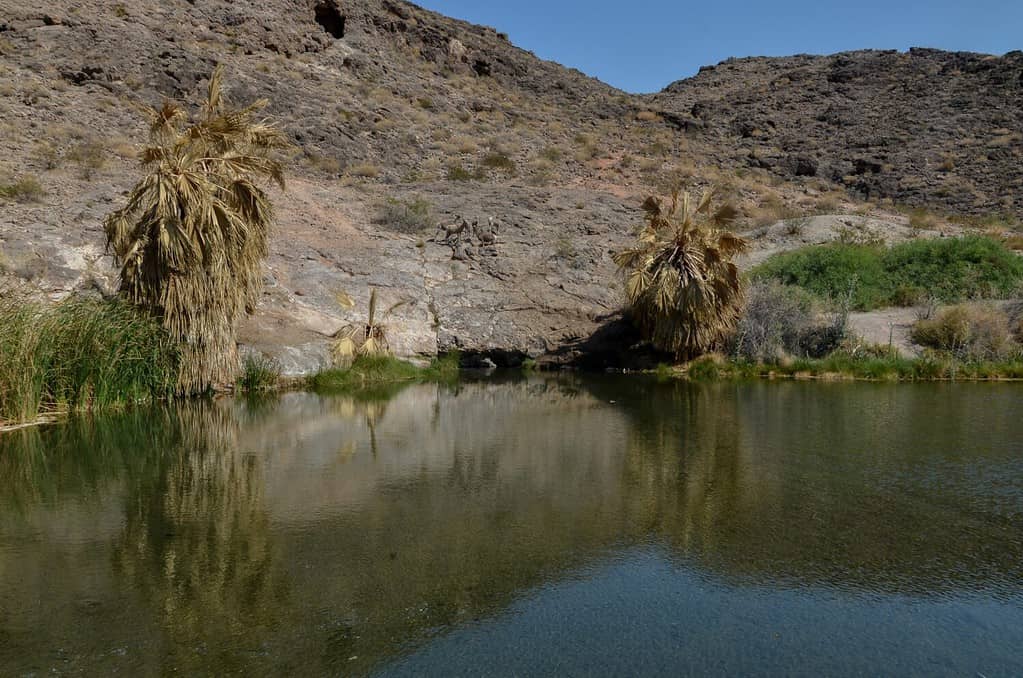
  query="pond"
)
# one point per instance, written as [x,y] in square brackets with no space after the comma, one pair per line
[550,525]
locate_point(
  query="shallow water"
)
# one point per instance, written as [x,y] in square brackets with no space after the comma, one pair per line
[549,526]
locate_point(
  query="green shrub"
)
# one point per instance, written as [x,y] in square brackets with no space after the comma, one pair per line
[373,372]
[955,269]
[704,369]
[952,269]
[831,272]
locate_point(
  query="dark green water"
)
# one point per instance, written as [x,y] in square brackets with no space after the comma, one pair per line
[579,526]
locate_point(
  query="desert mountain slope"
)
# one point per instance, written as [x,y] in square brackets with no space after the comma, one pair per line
[404,118]
[925,127]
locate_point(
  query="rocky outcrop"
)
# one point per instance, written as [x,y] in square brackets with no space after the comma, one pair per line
[924,128]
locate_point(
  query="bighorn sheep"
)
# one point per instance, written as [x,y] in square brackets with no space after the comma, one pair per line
[487,237]
[453,231]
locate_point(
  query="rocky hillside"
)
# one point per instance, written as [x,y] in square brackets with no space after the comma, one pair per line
[925,128]
[404,119]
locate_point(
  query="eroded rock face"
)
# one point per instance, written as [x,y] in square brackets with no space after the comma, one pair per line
[922,128]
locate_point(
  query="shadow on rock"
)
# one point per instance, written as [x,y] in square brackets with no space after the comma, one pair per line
[615,344]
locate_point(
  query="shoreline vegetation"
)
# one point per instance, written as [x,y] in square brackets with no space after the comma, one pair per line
[79,354]
[192,238]
[85,354]
[846,367]
[61,381]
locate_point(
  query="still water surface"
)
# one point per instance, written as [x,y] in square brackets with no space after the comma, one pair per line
[548,526]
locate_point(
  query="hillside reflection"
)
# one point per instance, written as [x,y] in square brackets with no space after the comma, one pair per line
[307,534]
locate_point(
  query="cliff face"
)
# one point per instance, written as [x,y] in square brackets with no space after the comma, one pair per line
[405,119]
[926,127]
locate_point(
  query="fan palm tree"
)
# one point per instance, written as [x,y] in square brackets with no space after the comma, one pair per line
[192,238]
[683,287]
[362,339]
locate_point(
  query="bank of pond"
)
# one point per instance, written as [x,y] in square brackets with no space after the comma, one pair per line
[88,354]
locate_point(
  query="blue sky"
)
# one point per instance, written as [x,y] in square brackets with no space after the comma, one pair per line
[642,45]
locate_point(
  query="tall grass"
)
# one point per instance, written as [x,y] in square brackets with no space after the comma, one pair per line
[951,269]
[79,354]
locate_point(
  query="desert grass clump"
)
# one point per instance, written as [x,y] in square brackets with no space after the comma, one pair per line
[90,155]
[25,189]
[552,154]
[973,332]
[684,290]
[79,354]
[365,171]
[259,373]
[458,172]
[406,216]
[192,238]
[500,161]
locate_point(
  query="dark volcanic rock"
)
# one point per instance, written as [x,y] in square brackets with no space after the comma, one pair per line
[925,127]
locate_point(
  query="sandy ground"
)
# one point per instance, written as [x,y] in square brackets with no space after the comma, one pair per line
[886,326]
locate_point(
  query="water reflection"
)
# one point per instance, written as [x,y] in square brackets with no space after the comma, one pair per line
[334,535]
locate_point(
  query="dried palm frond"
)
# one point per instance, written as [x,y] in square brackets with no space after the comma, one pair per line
[193,236]
[684,289]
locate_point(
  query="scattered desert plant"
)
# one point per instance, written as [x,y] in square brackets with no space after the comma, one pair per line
[498,160]
[796,226]
[685,292]
[406,216]
[323,163]
[25,189]
[90,155]
[922,220]
[365,170]
[552,153]
[457,172]
[192,238]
